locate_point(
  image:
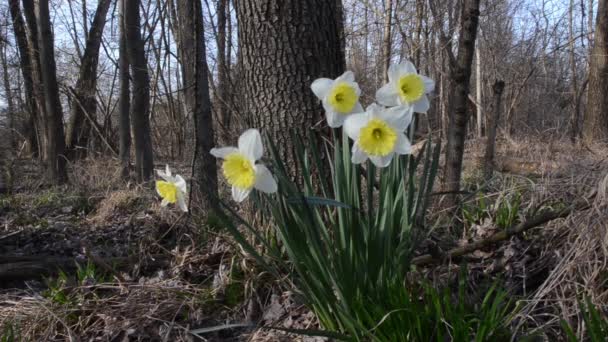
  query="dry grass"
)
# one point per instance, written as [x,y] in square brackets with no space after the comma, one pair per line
[567,257]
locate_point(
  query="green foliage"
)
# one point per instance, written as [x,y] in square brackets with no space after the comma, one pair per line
[57,291]
[504,212]
[8,334]
[507,211]
[596,323]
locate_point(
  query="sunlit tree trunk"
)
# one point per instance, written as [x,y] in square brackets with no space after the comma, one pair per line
[460,73]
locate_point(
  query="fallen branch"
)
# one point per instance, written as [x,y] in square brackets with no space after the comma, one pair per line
[14,268]
[504,234]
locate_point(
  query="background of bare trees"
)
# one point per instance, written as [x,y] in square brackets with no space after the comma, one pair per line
[539,49]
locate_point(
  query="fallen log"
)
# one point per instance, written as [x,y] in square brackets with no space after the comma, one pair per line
[535,221]
[19,268]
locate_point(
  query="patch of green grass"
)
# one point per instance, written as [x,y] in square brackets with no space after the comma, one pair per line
[8,333]
[596,323]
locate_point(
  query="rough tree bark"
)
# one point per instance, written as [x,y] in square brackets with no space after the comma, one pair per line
[54,122]
[284,47]
[124,101]
[460,73]
[25,63]
[140,106]
[79,127]
[191,44]
[595,127]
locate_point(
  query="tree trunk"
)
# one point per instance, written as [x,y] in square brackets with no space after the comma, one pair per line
[79,127]
[497,90]
[595,127]
[572,56]
[54,121]
[38,89]
[460,73]
[478,85]
[140,106]
[194,70]
[8,92]
[284,47]
[124,101]
[25,63]
[386,41]
[223,76]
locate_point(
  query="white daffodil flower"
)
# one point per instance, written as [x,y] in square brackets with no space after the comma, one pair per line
[172,189]
[340,97]
[406,87]
[239,167]
[379,134]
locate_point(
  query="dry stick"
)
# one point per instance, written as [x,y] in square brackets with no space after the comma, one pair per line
[93,122]
[503,235]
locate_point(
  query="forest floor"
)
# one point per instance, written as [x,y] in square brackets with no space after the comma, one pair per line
[134,271]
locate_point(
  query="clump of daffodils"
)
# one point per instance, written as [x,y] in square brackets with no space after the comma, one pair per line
[378,132]
[240,168]
[172,189]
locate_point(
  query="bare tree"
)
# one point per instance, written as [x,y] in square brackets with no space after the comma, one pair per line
[194,70]
[124,101]
[84,103]
[460,73]
[8,92]
[223,74]
[595,127]
[25,64]
[497,90]
[54,122]
[386,44]
[140,106]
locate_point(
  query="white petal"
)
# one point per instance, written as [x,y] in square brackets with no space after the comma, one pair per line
[358,155]
[221,152]
[429,84]
[407,67]
[168,170]
[264,180]
[164,203]
[358,108]
[335,120]
[394,73]
[403,146]
[387,95]
[165,177]
[239,195]
[250,144]
[348,76]
[373,110]
[180,183]
[321,86]
[181,202]
[423,105]
[382,161]
[398,117]
[354,123]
